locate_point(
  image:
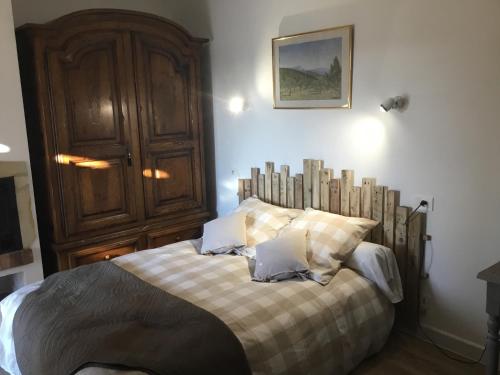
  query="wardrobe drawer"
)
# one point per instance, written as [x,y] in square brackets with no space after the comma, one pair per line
[168,236]
[104,252]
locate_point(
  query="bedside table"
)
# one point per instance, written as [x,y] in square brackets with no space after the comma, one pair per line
[492,277]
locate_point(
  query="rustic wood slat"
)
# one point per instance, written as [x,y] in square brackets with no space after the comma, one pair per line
[284,174]
[317,166]
[355,201]
[275,189]
[241,189]
[346,184]
[391,201]
[401,241]
[307,183]
[247,188]
[262,187]
[416,247]
[378,213]
[255,181]
[299,191]
[324,179]
[367,189]
[290,193]
[269,181]
[335,195]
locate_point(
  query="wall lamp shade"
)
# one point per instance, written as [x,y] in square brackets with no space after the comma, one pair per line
[4,148]
[398,102]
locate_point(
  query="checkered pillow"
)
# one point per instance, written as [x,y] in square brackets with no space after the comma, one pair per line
[331,240]
[264,220]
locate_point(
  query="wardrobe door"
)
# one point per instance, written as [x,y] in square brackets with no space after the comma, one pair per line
[167,92]
[90,92]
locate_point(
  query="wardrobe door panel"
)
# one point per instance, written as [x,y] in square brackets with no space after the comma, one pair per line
[171,182]
[167,91]
[89,86]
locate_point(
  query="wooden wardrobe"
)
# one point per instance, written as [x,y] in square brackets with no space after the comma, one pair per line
[114,116]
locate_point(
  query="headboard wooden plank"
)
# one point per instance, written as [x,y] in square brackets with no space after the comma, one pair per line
[269,181]
[378,213]
[416,245]
[325,177]
[401,244]
[275,188]
[255,180]
[317,166]
[318,186]
[346,184]
[355,202]
[262,187]
[307,183]
[290,192]
[335,195]
[299,190]
[284,174]
[391,202]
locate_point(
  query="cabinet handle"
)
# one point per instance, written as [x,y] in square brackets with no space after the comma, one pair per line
[178,238]
[129,158]
[107,257]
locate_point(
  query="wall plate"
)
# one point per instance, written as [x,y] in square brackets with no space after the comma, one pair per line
[417,198]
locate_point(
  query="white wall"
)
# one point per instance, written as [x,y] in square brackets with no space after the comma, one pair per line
[445,56]
[12,125]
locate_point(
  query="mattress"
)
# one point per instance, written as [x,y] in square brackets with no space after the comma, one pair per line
[290,327]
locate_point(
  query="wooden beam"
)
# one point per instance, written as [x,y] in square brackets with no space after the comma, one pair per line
[269,181]
[255,181]
[262,187]
[307,183]
[378,213]
[346,184]
[335,195]
[275,189]
[390,203]
[241,190]
[317,166]
[325,177]
[290,194]
[299,191]
[355,201]
[284,174]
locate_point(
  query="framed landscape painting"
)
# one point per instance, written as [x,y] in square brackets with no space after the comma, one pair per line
[313,70]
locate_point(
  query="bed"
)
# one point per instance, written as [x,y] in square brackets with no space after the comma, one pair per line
[287,327]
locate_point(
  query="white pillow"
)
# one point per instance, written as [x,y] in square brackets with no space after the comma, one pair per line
[282,258]
[224,234]
[378,264]
[264,220]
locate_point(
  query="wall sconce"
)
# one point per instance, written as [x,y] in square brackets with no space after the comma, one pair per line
[398,102]
[236,105]
[4,148]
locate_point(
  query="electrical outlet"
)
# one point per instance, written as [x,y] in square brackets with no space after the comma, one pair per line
[419,198]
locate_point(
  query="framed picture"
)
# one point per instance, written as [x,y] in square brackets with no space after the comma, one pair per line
[314,69]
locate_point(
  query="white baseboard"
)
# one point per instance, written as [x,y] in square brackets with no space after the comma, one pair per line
[453,343]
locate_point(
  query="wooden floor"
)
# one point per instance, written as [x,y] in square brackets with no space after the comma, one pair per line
[406,355]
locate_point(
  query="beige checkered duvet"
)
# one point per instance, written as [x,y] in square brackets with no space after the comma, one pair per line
[290,327]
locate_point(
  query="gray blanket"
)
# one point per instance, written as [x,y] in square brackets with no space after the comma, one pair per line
[101,314]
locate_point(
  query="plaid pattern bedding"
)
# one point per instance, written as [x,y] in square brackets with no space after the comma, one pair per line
[264,220]
[290,327]
[331,240]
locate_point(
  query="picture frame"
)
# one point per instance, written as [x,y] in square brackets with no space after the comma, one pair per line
[313,69]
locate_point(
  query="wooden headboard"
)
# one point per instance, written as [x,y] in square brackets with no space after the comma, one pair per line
[318,188]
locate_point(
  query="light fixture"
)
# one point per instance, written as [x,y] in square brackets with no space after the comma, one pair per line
[398,102]
[236,105]
[4,148]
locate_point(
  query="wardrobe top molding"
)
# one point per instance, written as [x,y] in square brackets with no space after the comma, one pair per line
[118,19]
